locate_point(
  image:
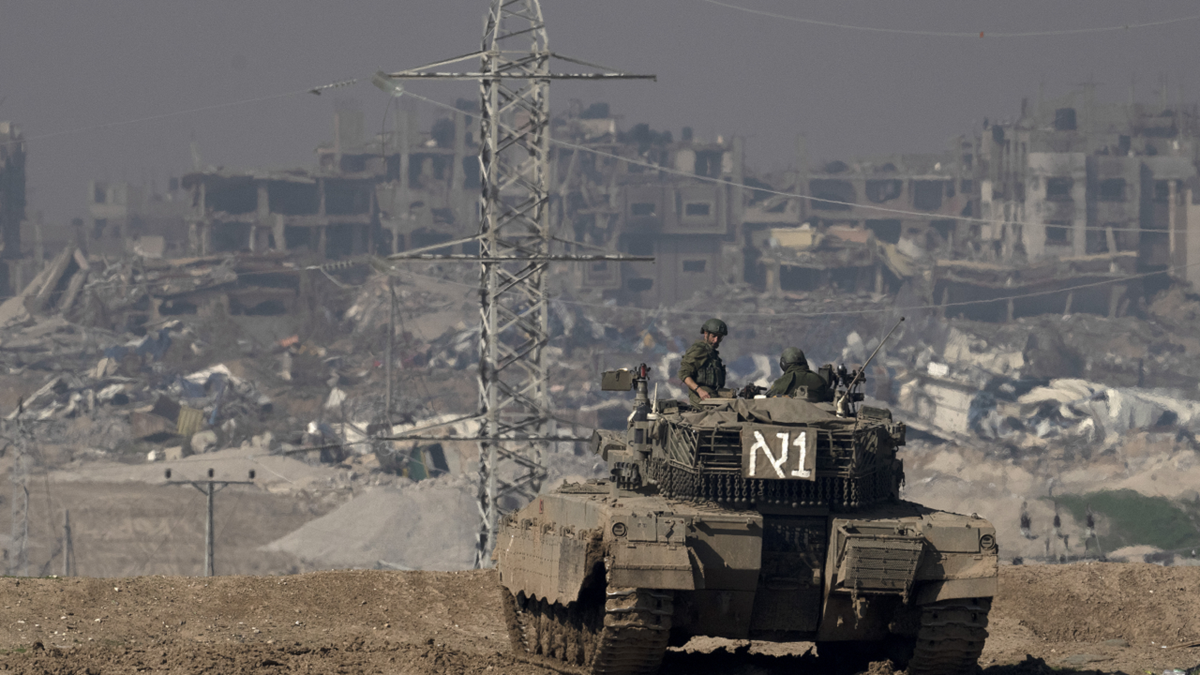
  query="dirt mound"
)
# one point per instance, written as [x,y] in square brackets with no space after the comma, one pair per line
[427,525]
[1100,618]
[1136,602]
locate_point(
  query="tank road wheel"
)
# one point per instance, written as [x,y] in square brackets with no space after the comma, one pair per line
[951,637]
[626,635]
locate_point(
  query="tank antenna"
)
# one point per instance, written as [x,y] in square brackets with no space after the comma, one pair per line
[841,402]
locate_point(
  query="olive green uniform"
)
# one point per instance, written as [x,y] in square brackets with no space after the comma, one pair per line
[798,375]
[702,363]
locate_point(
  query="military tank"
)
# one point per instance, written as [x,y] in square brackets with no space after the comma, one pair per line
[747,518]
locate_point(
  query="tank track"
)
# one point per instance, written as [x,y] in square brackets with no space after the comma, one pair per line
[626,636]
[951,637]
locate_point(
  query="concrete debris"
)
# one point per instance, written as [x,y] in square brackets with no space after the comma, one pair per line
[204,441]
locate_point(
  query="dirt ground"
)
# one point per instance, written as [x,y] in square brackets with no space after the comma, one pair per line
[1103,618]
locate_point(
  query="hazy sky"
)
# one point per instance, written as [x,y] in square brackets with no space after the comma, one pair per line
[66,66]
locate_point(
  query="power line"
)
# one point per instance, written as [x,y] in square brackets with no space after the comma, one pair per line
[954,34]
[883,310]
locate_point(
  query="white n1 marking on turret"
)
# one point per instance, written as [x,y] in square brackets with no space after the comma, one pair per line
[802,442]
[760,443]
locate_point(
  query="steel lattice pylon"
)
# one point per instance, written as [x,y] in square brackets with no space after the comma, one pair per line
[514,251]
[515,161]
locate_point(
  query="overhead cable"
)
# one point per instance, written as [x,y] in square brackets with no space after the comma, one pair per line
[954,34]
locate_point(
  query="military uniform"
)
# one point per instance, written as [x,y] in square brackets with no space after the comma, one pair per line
[798,375]
[702,362]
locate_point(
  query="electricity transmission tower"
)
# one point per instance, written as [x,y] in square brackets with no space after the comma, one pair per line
[514,249]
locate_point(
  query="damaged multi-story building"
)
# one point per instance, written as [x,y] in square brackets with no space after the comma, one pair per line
[859,226]
[1053,212]
[674,200]
[1075,191]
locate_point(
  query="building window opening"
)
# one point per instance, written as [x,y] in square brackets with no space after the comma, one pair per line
[601,266]
[827,190]
[1112,190]
[229,237]
[233,196]
[1059,189]
[708,163]
[98,195]
[339,241]
[884,190]
[945,228]
[1058,233]
[793,278]
[643,209]
[98,226]
[927,195]
[293,199]
[885,230]
[295,236]
[1097,241]
[1064,119]
[639,284]
[694,266]
[1162,191]
[697,209]
[345,199]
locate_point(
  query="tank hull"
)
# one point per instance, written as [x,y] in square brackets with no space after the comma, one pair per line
[791,574]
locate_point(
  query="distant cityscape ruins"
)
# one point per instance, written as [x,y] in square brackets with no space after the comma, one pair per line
[1072,191]
[246,316]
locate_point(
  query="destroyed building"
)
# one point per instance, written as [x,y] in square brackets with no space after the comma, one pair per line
[127,218]
[860,225]
[426,192]
[1085,191]
[674,200]
[12,196]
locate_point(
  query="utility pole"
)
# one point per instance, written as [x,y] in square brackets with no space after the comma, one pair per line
[514,248]
[68,547]
[210,488]
[387,408]
[18,561]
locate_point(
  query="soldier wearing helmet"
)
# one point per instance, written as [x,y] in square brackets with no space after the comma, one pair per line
[795,375]
[701,369]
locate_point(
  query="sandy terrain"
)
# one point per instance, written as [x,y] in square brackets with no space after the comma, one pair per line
[1073,618]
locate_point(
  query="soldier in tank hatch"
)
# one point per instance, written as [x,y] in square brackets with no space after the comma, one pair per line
[701,369]
[795,375]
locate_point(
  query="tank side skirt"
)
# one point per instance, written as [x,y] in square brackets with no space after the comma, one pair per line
[623,632]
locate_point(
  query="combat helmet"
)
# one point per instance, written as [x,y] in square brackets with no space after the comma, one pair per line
[715,326]
[791,355]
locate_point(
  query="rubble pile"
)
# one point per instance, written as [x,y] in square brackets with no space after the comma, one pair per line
[149,358]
